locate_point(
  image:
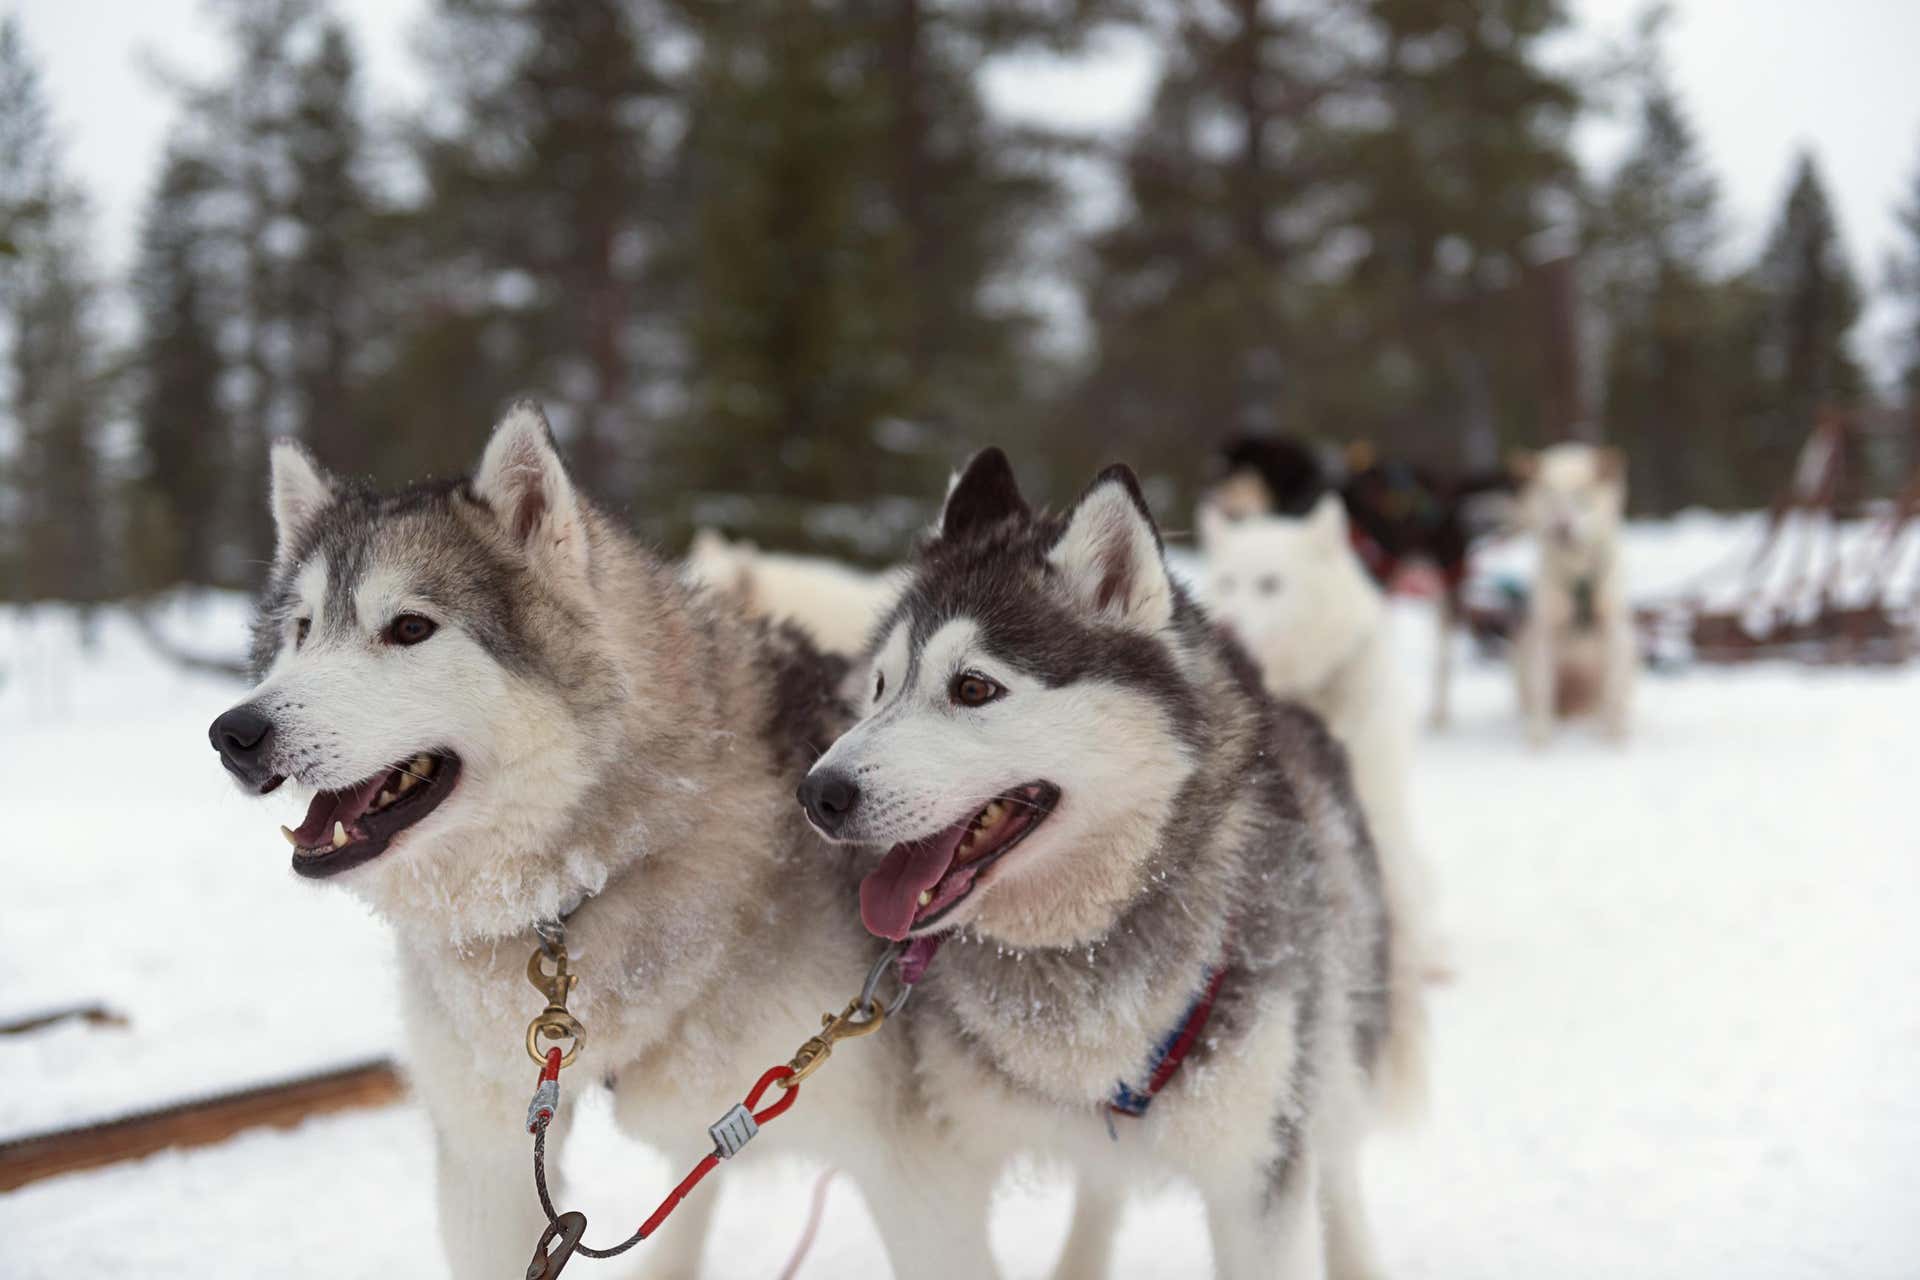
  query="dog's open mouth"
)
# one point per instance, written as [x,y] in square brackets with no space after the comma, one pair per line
[351,826]
[920,881]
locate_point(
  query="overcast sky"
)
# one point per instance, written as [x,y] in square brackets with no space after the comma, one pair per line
[1760,79]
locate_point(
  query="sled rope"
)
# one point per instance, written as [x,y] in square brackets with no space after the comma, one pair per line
[865,1014]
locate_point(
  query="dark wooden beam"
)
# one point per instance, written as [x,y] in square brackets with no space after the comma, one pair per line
[197,1123]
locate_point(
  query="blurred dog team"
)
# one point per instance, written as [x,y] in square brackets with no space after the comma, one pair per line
[1136,822]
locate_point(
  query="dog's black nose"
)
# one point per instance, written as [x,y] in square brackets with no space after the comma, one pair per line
[242,737]
[829,798]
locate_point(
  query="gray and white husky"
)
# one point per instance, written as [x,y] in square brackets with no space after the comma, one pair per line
[1126,853]
[506,711]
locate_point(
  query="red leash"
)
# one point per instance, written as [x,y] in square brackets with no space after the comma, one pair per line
[561,1240]
[711,1159]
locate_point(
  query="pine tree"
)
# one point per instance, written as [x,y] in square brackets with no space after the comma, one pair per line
[1904,281]
[247,119]
[1654,230]
[1201,291]
[326,282]
[57,535]
[852,231]
[1333,208]
[542,209]
[1810,304]
[281,273]
[185,442]
[1458,167]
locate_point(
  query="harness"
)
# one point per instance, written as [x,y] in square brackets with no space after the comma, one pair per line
[1379,562]
[1585,616]
[1383,566]
[562,1238]
[865,1014]
[1171,1051]
[1586,593]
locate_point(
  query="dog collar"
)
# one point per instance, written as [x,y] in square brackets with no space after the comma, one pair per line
[1379,563]
[1584,614]
[1172,1049]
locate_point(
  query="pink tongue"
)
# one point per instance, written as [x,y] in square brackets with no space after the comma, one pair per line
[890,895]
[330,807]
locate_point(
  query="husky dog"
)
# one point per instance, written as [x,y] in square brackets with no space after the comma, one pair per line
[834,603]
[1296,595]
[1399,515]
[1135,859]
[1576,650]
[508,713]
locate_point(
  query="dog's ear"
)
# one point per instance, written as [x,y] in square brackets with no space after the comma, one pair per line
[982,495]
[301,490]
[1110,555]
[723,565]
[1328,520]
[522,479]
[1214,524]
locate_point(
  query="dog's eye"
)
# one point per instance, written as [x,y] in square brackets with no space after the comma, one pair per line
[879,684]
[1267,584]
[300,629]
[971,689]
[410,628]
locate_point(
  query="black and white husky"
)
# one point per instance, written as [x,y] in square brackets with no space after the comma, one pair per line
[1162,941]
[506,711]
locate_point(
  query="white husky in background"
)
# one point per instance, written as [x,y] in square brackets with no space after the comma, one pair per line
[1576,651]
[1295,594]
[836,604]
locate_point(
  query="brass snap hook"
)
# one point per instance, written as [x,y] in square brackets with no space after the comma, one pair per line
[834,1028]
[555,986]
[554,1022]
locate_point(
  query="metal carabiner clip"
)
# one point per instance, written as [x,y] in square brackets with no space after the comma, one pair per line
[563,1237]
[554,1022]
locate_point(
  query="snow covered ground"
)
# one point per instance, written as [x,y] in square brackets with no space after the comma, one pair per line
[1682,1040]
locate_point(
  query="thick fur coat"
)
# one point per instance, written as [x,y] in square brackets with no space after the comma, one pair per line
[1191,827]
[627,748]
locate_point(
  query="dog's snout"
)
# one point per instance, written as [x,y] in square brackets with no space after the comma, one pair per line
[829,799]
[242,737]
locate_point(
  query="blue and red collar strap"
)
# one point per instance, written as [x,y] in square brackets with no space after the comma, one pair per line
[1171,1051]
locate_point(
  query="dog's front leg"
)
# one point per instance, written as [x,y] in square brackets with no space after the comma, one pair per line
[490,1218]
[1533,669]
[1097,1210]
[1622,669]
[932,1215]
[1350,1253]
[1446,611]
[1266,1224]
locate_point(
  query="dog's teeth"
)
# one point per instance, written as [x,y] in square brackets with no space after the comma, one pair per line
[423,763]
[339,834]
[292,839]
[926,897]
[994,812]
[385,798]
[408,782]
